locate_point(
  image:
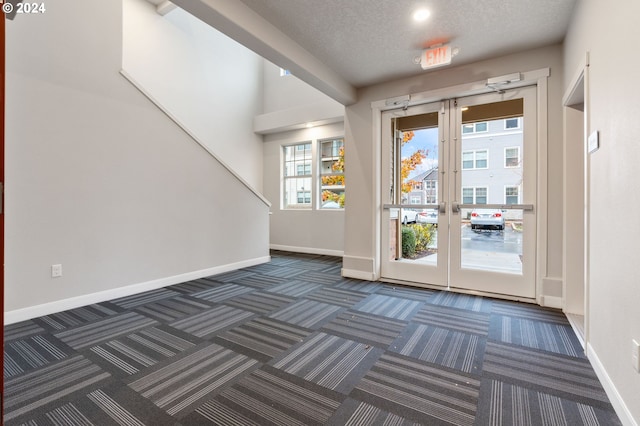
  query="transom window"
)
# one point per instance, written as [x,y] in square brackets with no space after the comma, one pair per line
[475,159]
[297,169]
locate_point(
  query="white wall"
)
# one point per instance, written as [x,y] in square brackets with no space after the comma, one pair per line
[361,250]
[610,33]
[98,179]
[210,83]
[309,231]
[290,103]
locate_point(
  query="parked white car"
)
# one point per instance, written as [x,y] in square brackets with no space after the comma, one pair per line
[428,216]
[492,219]
[409,215]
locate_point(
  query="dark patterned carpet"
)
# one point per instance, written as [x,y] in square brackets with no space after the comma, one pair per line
[291,342]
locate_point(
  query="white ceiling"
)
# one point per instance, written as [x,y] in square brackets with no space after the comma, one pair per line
[371,41]
[338,46]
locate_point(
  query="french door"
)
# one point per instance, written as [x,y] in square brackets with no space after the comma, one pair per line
[459,192]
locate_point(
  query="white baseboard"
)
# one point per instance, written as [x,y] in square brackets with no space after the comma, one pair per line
[616,400]
[308,250]
[552,302]
[11,317]
[360,275]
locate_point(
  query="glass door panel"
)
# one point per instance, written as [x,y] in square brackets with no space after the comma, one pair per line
[412,219]
[493,219]
[459,191]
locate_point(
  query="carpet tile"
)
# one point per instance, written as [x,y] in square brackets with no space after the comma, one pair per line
[105,329]
[392,307]
[330,361]
[366,328]
[260,302]
[75,317]
[452,349]
[211,321]
[269,397]
[455,319]
[292,342]
[262,338]
[172,309]
[185,382]
[306,313]
[419,391]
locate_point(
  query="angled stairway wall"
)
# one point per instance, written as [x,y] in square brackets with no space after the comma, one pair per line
[100,180]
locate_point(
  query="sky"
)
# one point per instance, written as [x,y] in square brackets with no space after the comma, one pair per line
[426,139]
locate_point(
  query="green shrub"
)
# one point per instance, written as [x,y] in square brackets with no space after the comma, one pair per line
[424,235]
[408,242]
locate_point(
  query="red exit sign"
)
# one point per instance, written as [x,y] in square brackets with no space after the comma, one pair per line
[435,57]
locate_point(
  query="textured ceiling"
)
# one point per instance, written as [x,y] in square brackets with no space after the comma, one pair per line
[371,41]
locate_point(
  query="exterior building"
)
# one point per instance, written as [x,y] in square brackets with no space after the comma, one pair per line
[491,167]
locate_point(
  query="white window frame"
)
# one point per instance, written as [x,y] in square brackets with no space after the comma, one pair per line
[321,173]
[519,121]
[519,162]
[287,178]
[475,128]
[507,187]
[475,194]
[475,159]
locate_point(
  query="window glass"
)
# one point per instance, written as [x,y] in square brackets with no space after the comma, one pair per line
[481,195]
[467,195]
[512,123]
[481,159]
[297,171]
[332,183]
[512,157]
[511,194]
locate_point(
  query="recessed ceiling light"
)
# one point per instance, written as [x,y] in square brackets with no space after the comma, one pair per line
[421,15]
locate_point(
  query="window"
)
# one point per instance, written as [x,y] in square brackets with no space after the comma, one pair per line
[475,128]
[477,195]
[511,194]
[415,199]
[512,157]
[475,160]
[332,173]
[297,176]
[512,123]
[304,197]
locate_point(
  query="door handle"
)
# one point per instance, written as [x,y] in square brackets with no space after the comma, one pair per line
[442,207]
[455,207]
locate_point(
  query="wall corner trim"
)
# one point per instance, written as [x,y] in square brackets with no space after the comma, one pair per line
[616,399]
[36,311]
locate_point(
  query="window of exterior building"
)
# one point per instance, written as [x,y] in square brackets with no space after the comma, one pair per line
[475,159]
[332,184]
[470,128]
[511,123]
[415,199]
[512,157]
[297,183]
[474,195]
[511,195]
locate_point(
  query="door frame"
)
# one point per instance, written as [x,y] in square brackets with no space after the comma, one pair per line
[538,78]
[2,100]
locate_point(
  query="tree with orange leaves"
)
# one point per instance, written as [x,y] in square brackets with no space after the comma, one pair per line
[409,164]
